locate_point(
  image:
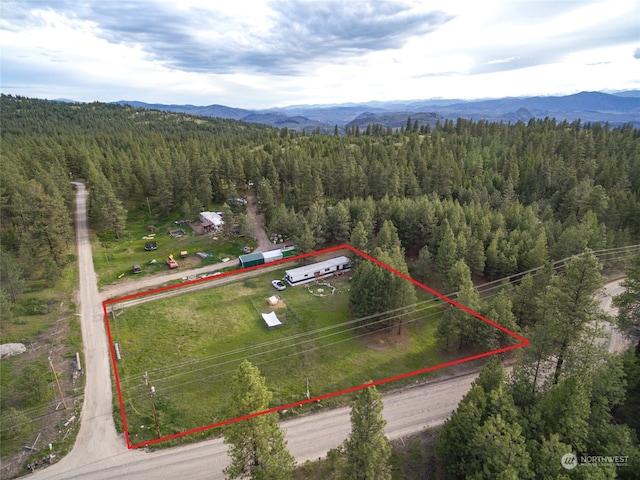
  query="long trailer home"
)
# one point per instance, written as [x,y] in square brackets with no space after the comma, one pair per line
[315,271]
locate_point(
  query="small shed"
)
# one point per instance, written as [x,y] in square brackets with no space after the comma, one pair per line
[273,300]
[272,255]
[251,259]
[271,319]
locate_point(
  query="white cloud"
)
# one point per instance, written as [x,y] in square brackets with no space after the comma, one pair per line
[261,54]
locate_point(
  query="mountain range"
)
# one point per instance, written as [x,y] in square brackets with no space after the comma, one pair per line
[615,108]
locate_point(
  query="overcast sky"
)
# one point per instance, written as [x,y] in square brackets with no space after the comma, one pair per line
[259,54]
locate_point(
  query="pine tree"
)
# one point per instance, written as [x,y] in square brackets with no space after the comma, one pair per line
[317,220]
[499,451]
[11,275]
[266,202]
[304,240]
[257,446]
[359,239]
[459,276]
[367,284]
[423,267]
[339,223]
[453,449]
[572,300]
[367,450]
[475,256]
[565,409]
[538,255]
[387,238]
[48,234]
[227,219]
[447,250]
[545,457]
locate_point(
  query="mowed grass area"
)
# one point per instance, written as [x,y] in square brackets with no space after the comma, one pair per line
[191,345]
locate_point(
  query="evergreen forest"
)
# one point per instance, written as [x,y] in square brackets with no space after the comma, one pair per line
[465,199]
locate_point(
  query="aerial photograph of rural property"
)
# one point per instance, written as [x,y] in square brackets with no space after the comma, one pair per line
[296,239]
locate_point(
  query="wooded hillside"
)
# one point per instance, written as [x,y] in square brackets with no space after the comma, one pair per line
[504,197]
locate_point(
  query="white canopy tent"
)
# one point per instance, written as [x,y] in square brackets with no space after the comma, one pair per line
[271,319]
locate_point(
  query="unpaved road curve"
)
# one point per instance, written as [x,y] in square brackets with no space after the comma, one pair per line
[617,341]
[101,454]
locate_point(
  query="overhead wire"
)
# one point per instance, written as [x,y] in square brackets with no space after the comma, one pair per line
[617,254]
[495,285]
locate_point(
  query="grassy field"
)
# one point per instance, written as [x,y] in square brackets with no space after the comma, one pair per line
[115,257]
[44,319]
[190,346]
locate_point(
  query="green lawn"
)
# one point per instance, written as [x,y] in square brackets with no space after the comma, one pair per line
[191,345]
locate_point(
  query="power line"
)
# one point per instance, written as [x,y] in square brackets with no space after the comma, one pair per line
[262,363]
[353,324]
[494,285]
[616,254]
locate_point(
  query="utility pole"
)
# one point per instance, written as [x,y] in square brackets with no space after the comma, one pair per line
[308,394]
[152,390]
[53,370]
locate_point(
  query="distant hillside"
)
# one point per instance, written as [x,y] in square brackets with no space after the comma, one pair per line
[579,102]
[335,115]
[219,111]
[281,120]
[616,109]
[396,119]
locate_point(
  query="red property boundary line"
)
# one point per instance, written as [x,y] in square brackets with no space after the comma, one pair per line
[523,343]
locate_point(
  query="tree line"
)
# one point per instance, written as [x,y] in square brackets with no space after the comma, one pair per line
[566,393]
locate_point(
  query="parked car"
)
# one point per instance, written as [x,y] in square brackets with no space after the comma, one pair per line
[278,284]
[150,246]
[137,269]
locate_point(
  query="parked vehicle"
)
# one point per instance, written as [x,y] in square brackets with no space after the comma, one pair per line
[137,269]
[278,285]
[171,262]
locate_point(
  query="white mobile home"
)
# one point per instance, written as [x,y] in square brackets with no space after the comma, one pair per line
[315,271]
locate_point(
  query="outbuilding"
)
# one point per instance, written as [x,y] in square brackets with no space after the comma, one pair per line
[315,271]
[251,260]
[272,255]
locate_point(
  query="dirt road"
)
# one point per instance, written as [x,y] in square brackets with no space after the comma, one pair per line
[261,235]
[617,342]
[308,437]
[97,438]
